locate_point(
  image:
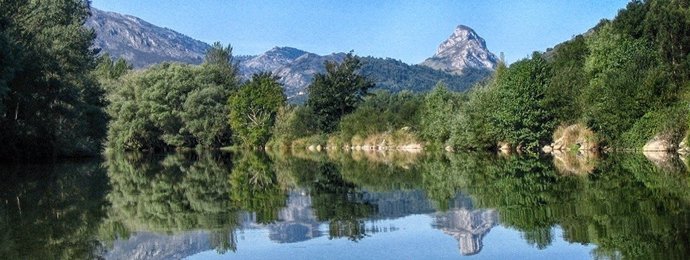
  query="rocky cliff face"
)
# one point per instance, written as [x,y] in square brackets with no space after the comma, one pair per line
[140,42]
[294,67]
[464,49]
[460,61]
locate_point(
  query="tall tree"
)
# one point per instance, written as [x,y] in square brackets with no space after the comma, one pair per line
[52,104]
[522,118]
[253,109]
[220,67]
[337,92]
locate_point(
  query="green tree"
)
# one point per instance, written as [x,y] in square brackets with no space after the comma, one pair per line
[253,109]
[621,88]
[205,116]
[523,118]
[439,107]
[50,104]
[220,67]
[109,69]
[167,106]
[337,92]
[568,78]
[292,122]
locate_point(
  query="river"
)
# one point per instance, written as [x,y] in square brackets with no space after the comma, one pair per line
[346,206]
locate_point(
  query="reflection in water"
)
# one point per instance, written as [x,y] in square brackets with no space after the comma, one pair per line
[296,222]
[183,204]
[467,225]
[147,245]
[51,211]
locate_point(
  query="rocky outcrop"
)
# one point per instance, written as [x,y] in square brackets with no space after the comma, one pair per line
[464,49]
[142,43]
[660,143]
[572,138]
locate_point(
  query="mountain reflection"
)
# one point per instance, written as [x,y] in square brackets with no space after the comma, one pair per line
[136,206]
[467,225]
[296,222]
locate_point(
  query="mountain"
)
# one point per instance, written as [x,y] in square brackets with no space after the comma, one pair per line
[142,43]
[294,67]
[464,49]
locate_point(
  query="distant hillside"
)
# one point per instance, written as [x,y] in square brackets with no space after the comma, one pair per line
[394,75]
[144,44]
[141,43]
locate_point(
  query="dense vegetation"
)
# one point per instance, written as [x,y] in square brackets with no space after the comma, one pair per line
[50,103]
[395,76]
[626,80]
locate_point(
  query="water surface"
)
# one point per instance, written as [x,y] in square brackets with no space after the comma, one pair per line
[346,206]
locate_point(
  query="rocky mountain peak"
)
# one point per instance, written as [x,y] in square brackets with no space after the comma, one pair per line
[285,52]
[463,49]
[140,42]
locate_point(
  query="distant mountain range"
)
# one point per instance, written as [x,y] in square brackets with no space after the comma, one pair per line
[459,62]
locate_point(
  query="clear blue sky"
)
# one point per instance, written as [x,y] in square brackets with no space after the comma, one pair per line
[408,30]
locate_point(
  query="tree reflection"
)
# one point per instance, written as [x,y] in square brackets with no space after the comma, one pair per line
[51,211]
[255,187]
[333,199]
[628,207]
[171,193]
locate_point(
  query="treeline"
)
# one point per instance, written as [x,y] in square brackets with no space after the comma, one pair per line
[50,102]
[620,85]
[395,76]
[625,81]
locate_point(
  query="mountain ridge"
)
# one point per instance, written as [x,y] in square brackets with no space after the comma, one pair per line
[463,49]
[144,44]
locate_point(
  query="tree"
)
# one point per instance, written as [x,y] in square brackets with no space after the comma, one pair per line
[439,108]
[523,118]
[50,103]
[621,88]
[220,67]
[337,92]
[253,109]
[167,106]
[205,116]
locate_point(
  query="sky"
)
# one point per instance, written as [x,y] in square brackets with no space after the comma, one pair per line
[407,30]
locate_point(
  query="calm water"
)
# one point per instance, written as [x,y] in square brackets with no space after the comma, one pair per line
[347,206]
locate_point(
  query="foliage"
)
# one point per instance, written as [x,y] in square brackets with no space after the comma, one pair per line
[568,79]
[523,118]
[619,90]
[292,123]
[337,92]
[438,109]
[253,109]
[396,76]
[669,123]
[381,112]
[50,104]
[52,211]
[255,187]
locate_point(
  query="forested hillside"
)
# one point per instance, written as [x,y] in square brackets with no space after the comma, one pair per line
[622,85]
